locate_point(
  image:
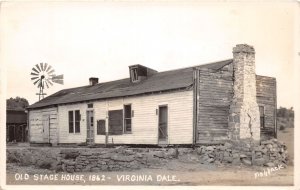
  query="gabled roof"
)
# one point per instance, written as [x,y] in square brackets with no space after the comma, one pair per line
[160,81]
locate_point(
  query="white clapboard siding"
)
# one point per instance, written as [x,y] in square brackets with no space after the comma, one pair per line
[64,135]
[36,125]
[144,122]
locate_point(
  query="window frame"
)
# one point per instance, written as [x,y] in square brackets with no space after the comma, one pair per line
[125,131]
[134,74]
[262,116]
[75,121]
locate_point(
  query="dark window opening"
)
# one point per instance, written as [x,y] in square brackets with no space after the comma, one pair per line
[101,127]
[74,121]
[71,122]
[90,105]
[262,116]
[115,122]
[134,74]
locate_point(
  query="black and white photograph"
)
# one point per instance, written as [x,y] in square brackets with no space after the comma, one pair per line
[149,93]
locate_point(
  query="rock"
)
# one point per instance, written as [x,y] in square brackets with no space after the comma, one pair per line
[227,145]
[210,160]
[122,158]
[159,154]
[227,159]
[210,148]
[235,155]
[226,154]
[193,158]
[199,150]
[211,155]
[269,164]
[86,154]
[129,152]
[172,153]
[236,161]
[139,155]
[246,162]
[259,162]
[69,153]
[243,156]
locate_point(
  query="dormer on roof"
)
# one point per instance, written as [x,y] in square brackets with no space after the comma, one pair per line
[140,72]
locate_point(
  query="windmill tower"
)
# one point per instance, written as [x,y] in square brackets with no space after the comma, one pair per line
[43,76]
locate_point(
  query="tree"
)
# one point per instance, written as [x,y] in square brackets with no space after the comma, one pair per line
[16,103]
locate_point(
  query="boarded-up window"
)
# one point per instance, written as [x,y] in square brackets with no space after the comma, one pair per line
[262,116]
[74,121]
[115,122]
[127,118]
[101,127]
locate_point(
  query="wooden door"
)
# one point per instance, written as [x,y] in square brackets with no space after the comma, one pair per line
[163,124]
[90,127]
[46,128]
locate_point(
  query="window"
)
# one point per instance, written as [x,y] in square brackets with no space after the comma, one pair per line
[74,121]
[262,116]
[115,122]
[134,74]
[90,105]
[101,127]
[127,118]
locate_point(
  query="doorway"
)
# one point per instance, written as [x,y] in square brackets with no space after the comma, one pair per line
[163,124]
[90,127]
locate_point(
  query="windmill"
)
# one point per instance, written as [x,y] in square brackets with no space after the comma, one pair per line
[43,75]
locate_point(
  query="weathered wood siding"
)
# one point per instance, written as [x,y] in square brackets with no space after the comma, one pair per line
[215,91]
[36,128]
[144,121]
[266,96]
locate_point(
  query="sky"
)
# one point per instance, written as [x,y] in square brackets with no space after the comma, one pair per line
[101,39]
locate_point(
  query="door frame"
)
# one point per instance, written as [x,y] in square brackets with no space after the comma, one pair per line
[87,125]
[167,137]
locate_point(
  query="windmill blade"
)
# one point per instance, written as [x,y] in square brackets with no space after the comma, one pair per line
[34,69]
[52,71]
[57,77]
[33,78]
[45,66]
[34,74]
[48,68]
[46,84]
[58,81]
[49,82]
[36,81]
[38,67]
[42,66]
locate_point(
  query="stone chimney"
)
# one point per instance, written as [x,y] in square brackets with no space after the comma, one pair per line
[93,81]
[244,120]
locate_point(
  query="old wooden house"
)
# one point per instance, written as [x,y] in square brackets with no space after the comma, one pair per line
[210,103]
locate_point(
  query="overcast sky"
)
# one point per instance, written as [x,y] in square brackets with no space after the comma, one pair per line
[94,39]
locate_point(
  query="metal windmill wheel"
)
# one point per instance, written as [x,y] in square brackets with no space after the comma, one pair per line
[43,76]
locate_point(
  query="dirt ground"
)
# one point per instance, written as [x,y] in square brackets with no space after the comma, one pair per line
[173,173]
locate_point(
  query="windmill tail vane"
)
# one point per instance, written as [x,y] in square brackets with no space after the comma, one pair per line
[43,76]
